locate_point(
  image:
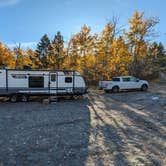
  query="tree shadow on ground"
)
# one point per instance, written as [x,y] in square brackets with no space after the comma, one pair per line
[142,133]
[113,143]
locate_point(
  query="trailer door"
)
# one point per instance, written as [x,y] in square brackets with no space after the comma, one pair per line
[53,82]
[3,81]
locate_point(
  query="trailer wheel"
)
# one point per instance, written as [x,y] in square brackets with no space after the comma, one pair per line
[13,98]
[24,98]
[76,97]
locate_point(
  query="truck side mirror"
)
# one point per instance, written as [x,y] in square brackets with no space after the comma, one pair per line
[137,80]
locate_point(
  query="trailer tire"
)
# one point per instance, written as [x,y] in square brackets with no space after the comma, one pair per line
[14,98]
[24,98]
[76,97]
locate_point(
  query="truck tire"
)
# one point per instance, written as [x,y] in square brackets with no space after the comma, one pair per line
[14,98]
[24,98]
[144,87]
[115,89]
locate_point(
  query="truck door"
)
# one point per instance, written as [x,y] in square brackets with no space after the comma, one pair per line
[53,82]
[135,83]
[125,84]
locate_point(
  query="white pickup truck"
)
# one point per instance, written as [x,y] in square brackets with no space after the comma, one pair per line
[123,83]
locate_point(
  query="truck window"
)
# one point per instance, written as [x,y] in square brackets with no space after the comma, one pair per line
[126,79]
[36,82]
[116,79]
[133,79]
[68,79]
[53,77]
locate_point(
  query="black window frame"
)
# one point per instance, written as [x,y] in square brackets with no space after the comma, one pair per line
[53,76]
[68,80]
[19,76]
[126,79]
[38,82]
[116,79]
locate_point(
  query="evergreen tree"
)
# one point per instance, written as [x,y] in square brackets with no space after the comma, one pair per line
[155,60]
[56,52]
[42,50]
[161,57]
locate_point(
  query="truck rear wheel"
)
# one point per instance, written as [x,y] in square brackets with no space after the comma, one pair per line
[115,89]
[13,98]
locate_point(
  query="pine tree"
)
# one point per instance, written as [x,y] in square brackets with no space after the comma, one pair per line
[55,57]
[155,60]
[161,57]
[42,51]
[35,63]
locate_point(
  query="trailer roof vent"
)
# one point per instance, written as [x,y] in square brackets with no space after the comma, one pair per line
[68,73]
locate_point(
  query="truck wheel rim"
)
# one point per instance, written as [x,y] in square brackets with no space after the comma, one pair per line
[115,90]
[144,87]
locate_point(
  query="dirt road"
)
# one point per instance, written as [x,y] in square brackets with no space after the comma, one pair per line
[128,128]
[122,129]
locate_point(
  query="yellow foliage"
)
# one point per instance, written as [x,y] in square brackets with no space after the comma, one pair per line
[97,56]
[6,57]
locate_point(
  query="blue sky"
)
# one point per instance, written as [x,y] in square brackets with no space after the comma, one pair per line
[25,21]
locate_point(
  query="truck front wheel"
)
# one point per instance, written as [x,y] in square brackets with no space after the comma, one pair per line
[144,87]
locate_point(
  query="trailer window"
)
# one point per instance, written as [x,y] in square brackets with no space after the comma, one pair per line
[68,80]
[53,77]
[36,82]
[19,76]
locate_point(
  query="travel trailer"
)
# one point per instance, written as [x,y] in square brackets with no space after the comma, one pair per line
[21,84]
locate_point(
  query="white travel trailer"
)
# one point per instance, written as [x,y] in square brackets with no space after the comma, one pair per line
[20,84]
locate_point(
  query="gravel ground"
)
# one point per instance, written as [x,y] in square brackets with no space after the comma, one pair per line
[39,135]
[122,129]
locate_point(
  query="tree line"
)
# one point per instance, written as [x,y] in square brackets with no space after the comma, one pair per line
[115,51]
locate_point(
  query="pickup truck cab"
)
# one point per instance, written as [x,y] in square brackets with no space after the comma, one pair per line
[125,83]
